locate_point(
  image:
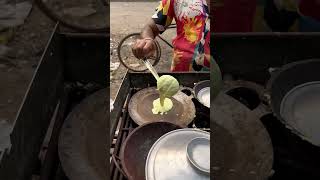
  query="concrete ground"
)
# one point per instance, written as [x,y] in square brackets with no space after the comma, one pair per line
[130,17]
[18,65]
[28,43]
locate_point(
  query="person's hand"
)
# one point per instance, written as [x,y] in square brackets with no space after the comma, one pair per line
[143,48]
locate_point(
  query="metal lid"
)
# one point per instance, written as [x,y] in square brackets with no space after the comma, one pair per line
[300,110]
[167,159]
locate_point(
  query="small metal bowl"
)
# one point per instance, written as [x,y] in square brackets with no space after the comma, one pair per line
[198,88]
[198,153]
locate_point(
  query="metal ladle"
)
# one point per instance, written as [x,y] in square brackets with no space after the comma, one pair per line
[150,67]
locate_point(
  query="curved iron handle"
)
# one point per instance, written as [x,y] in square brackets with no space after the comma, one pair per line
[115,160]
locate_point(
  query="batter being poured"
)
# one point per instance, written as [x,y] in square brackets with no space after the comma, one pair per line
[167,87]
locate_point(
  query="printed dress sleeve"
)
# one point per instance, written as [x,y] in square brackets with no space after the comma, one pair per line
[164,14]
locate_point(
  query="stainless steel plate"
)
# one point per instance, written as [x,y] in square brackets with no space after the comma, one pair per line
[167,159]
[300,109]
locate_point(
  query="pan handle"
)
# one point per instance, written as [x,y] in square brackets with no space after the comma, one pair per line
[117,161]
[184,90]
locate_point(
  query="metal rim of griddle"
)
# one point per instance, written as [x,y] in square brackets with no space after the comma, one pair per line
[244,132]
[286,78]
[83,139]
[275,95]
[186,101]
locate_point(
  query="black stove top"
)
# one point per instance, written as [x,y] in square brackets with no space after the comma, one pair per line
[294,158]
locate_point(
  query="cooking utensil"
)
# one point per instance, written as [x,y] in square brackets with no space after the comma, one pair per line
[215,79]
[198,153]
[202,118]
[135,149]
[295,98]
[167,159]
[83,139]
[151,68]
[301,109]
[140,108]
[242,147]
[201,92]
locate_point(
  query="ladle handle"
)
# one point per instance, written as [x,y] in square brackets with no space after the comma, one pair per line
[185,90]
[151,68]
[116,161]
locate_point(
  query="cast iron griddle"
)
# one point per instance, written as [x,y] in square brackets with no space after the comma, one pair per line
[83,139]
[135,149]
[241,148]
[140,108]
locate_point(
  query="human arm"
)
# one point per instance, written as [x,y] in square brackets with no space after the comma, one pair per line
[145,46]
[161,19]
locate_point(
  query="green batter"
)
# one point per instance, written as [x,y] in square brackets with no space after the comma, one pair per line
[167,87]
[158,108]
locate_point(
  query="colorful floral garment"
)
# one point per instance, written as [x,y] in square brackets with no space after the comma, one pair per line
[191,45]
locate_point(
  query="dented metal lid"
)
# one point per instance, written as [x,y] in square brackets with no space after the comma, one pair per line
[167,159]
